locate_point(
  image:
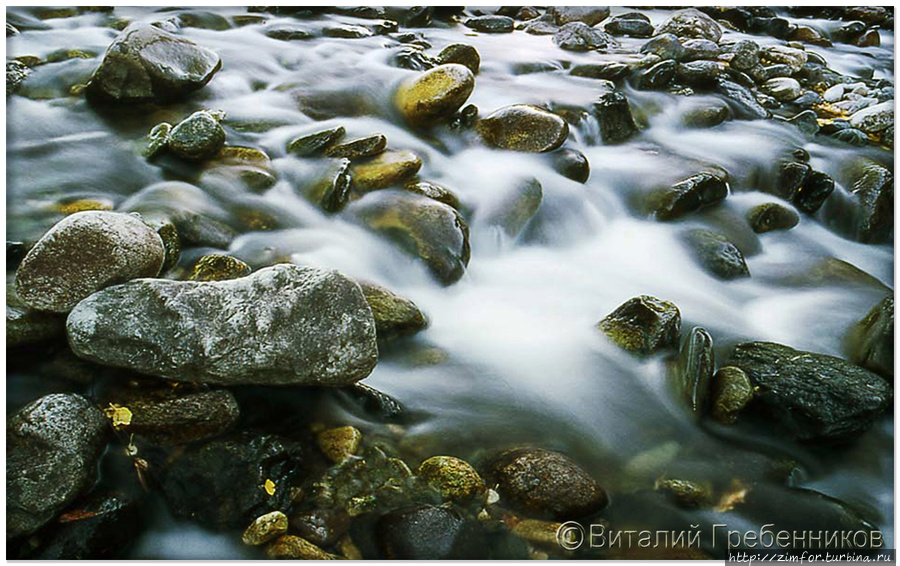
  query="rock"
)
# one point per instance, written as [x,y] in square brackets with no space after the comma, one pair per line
[384,170]
[694,369]
[219,267]
[632,24]
[609,70]
[812,195]
[700,74]
[573,164]
[454,478]
[812,396]
[791,178]
[744,103]
[52,449]
[376,404]
[297,315]
[746,55]
[434,192]
[700,50]
[870,38]
[685,493]
[874,118]
[145,63]
[461,54]
[250,166]
[413,58]
[513,210]
[340,443]
[772,216]
[873,187]
[264,528]
[706,116]
[434,95]
[731,392]
[643,325]
[589,15]
[394,316]
[781,54]
[157,140]
[427,532]
[434,232]
[197,137]
[329,188]
[361,147]
[544,25]
[578,36]
[166,416]
[806,121]
[693,23]
[322,527]
[27,326]
[16,72]
[782,89]
[521,127]
[666,46]
[315,144]
[834,93]
[544,484]
[227,483]
[541,533]
[86,252]
[871,341]
[290,547]
[614,116]
[657,76]
[287,32]
[717,254]
[688,195]
[347,31]
[491,24]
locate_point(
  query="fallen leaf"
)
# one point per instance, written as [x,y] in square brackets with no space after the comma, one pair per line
[120,416]
[731,498]
[270,487]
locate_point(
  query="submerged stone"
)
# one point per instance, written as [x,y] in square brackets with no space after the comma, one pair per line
[428,532]
[717,254]
[394,315]
[872,339]
[731,392]
[771,216]
[694,369]
[643,325]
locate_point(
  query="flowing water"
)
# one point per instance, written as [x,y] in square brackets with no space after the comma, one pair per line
[512,354]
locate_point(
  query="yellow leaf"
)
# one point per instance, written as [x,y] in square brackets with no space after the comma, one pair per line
[270,487]
[121,416]
[732,498]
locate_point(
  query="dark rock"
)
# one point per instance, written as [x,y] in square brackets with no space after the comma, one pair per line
[693,23]
[852,136]
[589,15]
[16,72]
[287,32]
[361,147]
[806,121]
[491,24]
[394,315]
[614,116]
[427,532]
[699,74]
[206,323]
[810,197]
[434,192]
[461,54]
[871,340]
[197,137]
[347,31]
[27,326]
[643,325]
[573,164]
[375,403]
[578,36]
[322,527]
[744,103]
[610,70]
[315,144]
[693,371]
[414,59]
[688,195]
[706,116]
[145,63]
[521,127]
[52,449]
[84,253]
[513,210]
[330,187]
[771,216]
[731,392]
[632,24]
[434,232]
[544,484]
[700,50]
[231,481]
[791,178]
[717,254]
[812,396]
[434,95]
[657,76]
[873,187]
[666,46]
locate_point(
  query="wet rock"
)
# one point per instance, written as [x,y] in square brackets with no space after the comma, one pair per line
[16,72]
[361,147]
[706,116]
[52,449]
[347,31]
[340,443]
[384,170]
[521,127]
[573,164]
[744,103]
[427,532]
[219,267]
[782,89]
[685,493]
[543,484]
[290,547]
[812,195]
[374,403]
[427,229]
[512,211]
[791,178]
[413,58]
[700,74]
[806,121]
[589,15]
[287,32]
[232,481]
[657,76]
[145,63]
[491,24]
[197,137]
[691,23]
[874,118]
[435,95]
[157,140]
[666,46]
[578,36]
[461,54]
[15,253]
[772,216]
[871,340]
[434,192]
[643,325]
[315,144]
[322,527]
[632,24]
[688,195]
[615,119]
[694,369]
[166,416]
[873,187]
[394,315]
[782,54]
[206,323]
[869,38]
[731,392]
[27,326]
[248,165]
[86,252]
[717,254]
[330,189]
[454,478]
[609,70]
[812,396]
[544,25]
[265,528]
[700,50]
[746,55]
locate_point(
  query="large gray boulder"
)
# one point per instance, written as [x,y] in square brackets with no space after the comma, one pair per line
[145,63]
[691,23]
[52,449]
[283,325]
[84,253]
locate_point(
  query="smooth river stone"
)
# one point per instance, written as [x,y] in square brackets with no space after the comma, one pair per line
[283,325]
[521,127]
[435,95]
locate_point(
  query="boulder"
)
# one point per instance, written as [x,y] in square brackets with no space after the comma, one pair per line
[691,23]
[283,325]
[578,36]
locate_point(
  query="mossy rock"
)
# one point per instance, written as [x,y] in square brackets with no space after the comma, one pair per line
[358,148]
[872,339]
[339,443]
[384,170]
[197,137]
[731,392]
[461,54]
[522,127]
[434,95]
[455,479]
[772,216]
[315,144]
[643,325]
[219,267]
[394,315]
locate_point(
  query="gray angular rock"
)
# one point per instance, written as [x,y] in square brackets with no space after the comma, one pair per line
[84,253]
[693,23]
[874,118]
[812,396]
[197,137]
[145,63]
[283,325]
[578,36]
[52,449]
[590,15]
[643,325]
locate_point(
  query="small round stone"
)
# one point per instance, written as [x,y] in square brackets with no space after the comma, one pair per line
[521,127]
[198,137]
[454,478]
[435,95]
[265,528]
[340,443]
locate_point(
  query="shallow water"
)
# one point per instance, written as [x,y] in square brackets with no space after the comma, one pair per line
[511,354]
